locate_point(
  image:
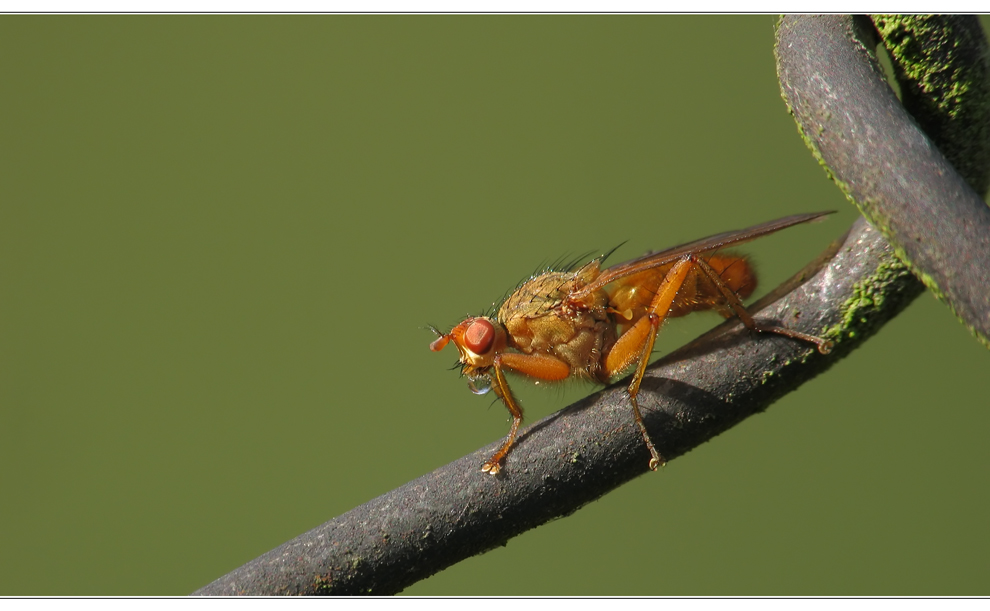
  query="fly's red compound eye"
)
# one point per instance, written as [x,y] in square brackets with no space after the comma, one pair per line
[479,336]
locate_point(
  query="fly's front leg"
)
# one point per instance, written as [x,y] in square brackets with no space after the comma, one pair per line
[636,344]
[824,345]
[501,388]
[543,367]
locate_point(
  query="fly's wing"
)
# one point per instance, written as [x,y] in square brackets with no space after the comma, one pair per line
[703,245]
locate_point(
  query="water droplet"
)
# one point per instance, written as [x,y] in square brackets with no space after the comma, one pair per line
[480,385]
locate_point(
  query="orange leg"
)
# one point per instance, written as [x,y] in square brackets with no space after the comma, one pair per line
[824,345]
[541,366]
[637,344]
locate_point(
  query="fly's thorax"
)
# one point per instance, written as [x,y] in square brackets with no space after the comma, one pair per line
[552,290]
[535,297]
[541,316]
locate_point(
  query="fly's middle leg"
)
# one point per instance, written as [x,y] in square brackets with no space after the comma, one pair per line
[636,345]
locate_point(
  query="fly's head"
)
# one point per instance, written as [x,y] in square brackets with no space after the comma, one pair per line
[478,340]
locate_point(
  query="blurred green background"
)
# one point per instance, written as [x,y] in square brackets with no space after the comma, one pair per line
[222,238]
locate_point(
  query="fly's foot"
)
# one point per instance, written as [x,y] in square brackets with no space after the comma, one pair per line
[491,467]
[656,461]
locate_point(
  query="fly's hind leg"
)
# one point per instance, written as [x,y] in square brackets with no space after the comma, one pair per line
[824,345]
[636,345]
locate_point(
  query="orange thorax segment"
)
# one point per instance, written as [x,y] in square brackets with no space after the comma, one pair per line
[540,317]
